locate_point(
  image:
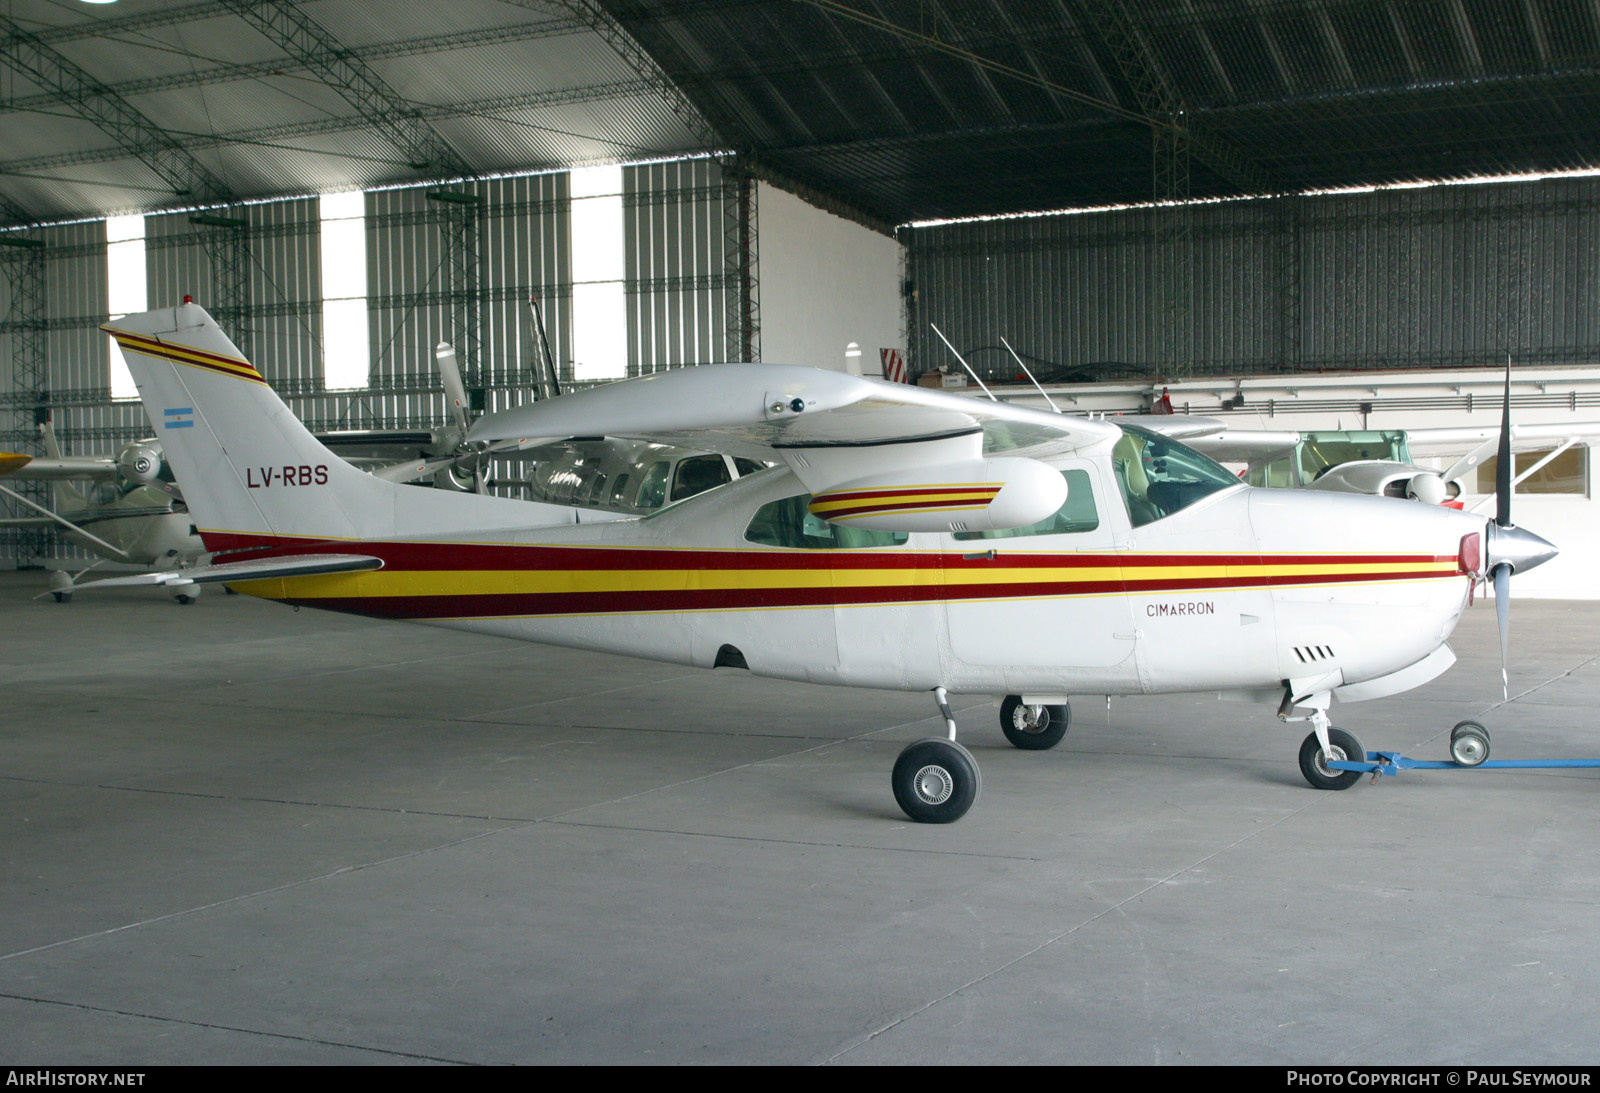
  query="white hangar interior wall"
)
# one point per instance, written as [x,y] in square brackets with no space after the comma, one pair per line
[826,283]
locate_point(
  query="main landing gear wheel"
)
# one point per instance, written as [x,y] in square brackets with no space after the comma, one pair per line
[1343,747]
[1033,728]
[1469,744]
[936,781]
[62,597]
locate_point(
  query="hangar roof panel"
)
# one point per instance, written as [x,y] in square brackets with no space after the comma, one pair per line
[898,109]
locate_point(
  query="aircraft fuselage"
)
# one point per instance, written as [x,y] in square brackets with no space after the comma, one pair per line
[1237,591]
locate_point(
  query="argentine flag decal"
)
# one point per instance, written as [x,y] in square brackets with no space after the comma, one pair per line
[178,418]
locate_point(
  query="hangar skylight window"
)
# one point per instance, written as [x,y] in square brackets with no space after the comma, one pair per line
[346,343]
[599,308]
[127,290]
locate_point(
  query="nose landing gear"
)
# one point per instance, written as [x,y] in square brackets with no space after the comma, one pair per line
[1314,759]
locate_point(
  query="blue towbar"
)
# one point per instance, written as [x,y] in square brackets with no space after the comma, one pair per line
[1390,763]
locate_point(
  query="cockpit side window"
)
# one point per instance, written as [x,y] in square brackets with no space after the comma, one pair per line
[1077,514]
[1159,477]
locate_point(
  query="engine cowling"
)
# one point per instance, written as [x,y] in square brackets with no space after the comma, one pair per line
[971,495]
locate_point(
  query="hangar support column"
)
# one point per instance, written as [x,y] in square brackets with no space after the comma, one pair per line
[30,370]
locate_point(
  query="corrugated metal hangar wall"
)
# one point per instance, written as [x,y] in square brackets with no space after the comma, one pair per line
[1446,276]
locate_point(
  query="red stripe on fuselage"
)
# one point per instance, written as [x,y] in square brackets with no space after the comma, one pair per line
[950,584]
[630,602]
[403,555]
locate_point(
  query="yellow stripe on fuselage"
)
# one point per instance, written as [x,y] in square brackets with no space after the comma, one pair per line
[490,582]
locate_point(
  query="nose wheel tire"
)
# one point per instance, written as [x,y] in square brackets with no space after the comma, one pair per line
[1314,764]
[1469,744]
[936,781]
[1034,728]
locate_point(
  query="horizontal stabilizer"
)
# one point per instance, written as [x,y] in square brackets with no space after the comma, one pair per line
[303,565]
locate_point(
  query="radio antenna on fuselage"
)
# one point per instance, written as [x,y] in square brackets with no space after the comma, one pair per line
[1029,374]
[964,363]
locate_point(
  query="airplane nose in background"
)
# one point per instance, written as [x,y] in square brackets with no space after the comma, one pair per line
[1517,547]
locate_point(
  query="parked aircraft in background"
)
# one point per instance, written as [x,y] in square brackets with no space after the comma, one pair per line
[911,539]
[130,509]
[1381,462]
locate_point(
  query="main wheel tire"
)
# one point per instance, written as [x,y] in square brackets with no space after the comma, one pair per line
[1313,764]
[62,597]
[1469,744]
[1034,728]
[936,781]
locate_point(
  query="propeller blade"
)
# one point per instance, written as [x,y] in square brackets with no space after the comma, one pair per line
[1503,469]
[1502,614]
[1471,459]
[456,391]
[415,469]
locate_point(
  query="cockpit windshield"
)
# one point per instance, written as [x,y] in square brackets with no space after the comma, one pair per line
[1159,477]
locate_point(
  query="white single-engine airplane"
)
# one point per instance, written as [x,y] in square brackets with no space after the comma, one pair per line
[1375,461]
[912,540]
[131,511]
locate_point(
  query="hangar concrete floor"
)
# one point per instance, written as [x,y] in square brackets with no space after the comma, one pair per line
[234,833]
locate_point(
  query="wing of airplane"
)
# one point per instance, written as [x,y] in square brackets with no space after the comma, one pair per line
[18,465]
[1244,445]
[1524,437]
[884,456]
[767,408]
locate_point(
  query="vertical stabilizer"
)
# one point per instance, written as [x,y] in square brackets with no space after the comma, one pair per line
[250,471]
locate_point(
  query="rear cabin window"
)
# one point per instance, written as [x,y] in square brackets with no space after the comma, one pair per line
[653,490]
[697,474]
[1076,514]
[787,523]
